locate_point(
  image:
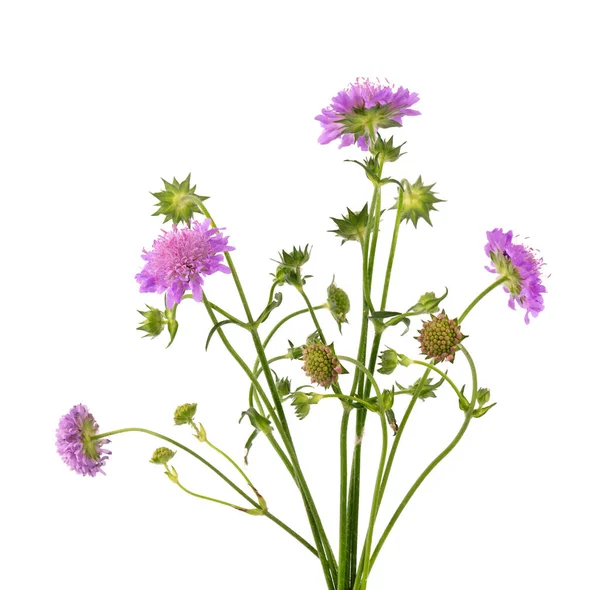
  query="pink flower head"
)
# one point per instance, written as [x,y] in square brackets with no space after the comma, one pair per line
[181,258]
[75,444]
[357,112]
[520,266]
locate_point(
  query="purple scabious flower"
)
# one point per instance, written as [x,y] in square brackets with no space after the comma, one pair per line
[75,445]
[520,266]
[181,258]
[357,112]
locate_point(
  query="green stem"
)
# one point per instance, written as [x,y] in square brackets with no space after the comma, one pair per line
[209,498]
[479,298]
[390,264]
[434,463]
[343,541]
[270,516]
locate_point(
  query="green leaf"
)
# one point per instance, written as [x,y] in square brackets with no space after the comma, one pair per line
[479,412]
[258,420]
[264,316]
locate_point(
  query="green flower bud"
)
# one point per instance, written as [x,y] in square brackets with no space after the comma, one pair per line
[440,337]
[321,365]
[338,303]
[154,322]
[178,202]
[162,456]
[184,414]
[388,362]
[354,226]
[284,386]
[417,201]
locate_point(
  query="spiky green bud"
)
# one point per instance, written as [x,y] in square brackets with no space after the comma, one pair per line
[178,202]
[184,414]
[162,456]
[388,361]
[154,322]
[338,303]
[354,226]
[321,365]
[439,338]
[386,149]
[289,267]
[284,386]
[417,201]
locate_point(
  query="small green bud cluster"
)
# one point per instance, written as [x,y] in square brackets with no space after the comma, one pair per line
[338,303]
[321,365]
[184,414]
[388,362]
[162,456]
[289,267]
[440,337]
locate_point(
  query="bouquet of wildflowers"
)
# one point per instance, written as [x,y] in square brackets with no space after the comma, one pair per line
[355,376]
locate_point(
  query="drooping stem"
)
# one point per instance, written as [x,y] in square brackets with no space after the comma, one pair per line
[270,516]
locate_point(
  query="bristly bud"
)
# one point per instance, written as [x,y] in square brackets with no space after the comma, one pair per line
[162,456]
[354,226]
[388,362]
[440,337]
[417,201]
[338,303]
[178,201]
[154,322]
[289,267]
[386,149]
[428,303]
[284,386]
[184,414]
[321,365]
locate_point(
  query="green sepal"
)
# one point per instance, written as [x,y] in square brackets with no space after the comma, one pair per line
[483,396]
[388,361]
[258,421]
[283,385]
[171,473]
[425,389]
[428,303]
[302,402]
[178,201]
[172,323]
[483,411]
[463,402]
[154,322]
[314,338]
[417,201]
[294,352]
[248,444]
[264,316]
[201,433]
[385,148]
[353,227]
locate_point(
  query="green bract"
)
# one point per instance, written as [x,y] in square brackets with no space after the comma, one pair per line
[354,226]
[417,200]
[178,202]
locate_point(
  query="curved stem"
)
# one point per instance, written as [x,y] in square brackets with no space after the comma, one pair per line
[209,498]
[443,375]
[270,516]
[479,298]
[434,463]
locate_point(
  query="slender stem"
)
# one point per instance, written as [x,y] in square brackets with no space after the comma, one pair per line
[480,297]
[210,499]
[390,264]
[226,456]
[343,541]
[358,387]
[350,399]
[312,314]
[431,367]
[434,463]
[364,371]
[270,516]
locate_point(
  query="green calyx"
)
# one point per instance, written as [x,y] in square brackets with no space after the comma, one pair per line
[439,338]
[178,201]
[352,227]
[289,267]
[417,201]
[184,414]
[388,361]
[505,268]
[364,122]
[338,303]
[88,430]
[162,456]
[386,150]
[153,322]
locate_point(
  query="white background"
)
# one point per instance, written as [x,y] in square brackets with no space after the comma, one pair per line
[101,100]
